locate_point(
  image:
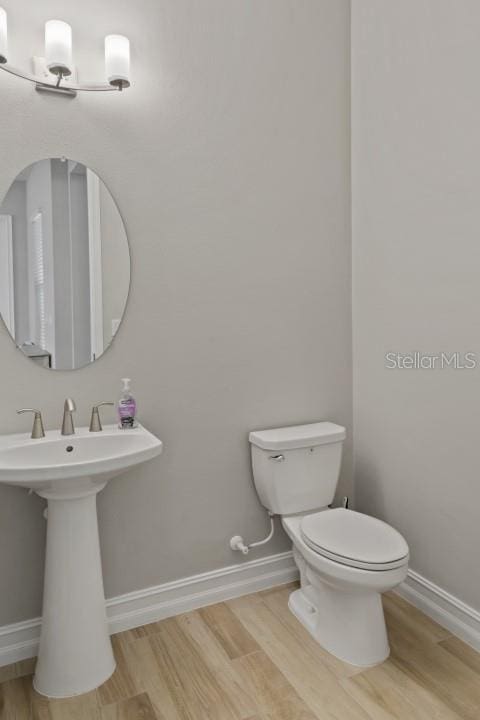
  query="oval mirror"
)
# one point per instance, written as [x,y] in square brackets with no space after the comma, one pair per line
[64,264]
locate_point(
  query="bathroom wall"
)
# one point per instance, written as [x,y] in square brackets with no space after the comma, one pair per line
[416,248]
[229,161]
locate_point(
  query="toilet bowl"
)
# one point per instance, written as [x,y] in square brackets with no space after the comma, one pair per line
[346,559]
[338,602]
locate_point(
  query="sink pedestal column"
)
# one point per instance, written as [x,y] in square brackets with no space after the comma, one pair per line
[75,653]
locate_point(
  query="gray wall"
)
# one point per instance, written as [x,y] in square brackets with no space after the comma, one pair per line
[416,238]
[229,160]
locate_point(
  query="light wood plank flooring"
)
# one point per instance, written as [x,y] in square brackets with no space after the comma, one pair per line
[249,659]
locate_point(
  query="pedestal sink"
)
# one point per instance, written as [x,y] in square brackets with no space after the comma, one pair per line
[75,652]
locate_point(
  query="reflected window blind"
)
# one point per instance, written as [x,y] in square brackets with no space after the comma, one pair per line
[38,274]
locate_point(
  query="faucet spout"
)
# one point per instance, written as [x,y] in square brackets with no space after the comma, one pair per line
[69,407]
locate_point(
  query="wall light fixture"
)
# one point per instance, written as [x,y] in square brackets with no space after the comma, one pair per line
[51,71]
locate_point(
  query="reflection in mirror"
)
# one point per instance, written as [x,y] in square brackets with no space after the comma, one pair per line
[64,264]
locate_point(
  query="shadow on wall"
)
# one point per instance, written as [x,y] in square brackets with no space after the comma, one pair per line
[369,493]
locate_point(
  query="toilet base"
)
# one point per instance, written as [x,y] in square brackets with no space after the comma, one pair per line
[350,626]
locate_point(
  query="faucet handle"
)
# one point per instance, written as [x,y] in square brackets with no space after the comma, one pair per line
[37,429]
[95,424]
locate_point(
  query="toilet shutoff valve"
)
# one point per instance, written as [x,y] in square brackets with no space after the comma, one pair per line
[236,543]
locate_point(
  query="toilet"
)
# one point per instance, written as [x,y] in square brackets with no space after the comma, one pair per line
[346,559]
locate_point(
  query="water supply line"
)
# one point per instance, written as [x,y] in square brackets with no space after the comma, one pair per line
[237,542]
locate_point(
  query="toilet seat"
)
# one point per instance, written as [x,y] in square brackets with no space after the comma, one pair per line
[354,539]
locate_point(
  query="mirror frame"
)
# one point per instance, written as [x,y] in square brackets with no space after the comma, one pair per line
[106,348]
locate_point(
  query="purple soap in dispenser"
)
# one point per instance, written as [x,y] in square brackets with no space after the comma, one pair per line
[127,407]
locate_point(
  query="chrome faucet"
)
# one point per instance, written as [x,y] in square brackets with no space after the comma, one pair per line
[67,424]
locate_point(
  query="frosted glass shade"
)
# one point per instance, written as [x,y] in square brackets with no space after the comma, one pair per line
[117,60]
[58,47]
[3,36]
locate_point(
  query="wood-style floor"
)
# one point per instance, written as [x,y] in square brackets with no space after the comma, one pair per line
[249,659]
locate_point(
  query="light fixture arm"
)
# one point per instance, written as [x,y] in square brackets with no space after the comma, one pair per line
[56,85]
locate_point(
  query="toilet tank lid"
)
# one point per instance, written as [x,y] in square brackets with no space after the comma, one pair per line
[298,436]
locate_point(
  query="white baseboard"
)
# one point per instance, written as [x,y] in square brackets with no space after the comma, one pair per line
[20,640]
[446,609]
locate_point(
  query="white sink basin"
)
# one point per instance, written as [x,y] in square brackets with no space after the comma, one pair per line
[58,463]
[75,653]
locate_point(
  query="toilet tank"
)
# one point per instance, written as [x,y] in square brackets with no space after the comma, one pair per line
[296,469]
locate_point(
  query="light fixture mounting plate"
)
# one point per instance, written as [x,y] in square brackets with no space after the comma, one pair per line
[41,87]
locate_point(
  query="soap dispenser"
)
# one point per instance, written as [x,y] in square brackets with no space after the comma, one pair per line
[127,407]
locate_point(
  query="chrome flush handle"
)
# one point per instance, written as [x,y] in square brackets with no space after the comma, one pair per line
[37,429]
[277,458]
